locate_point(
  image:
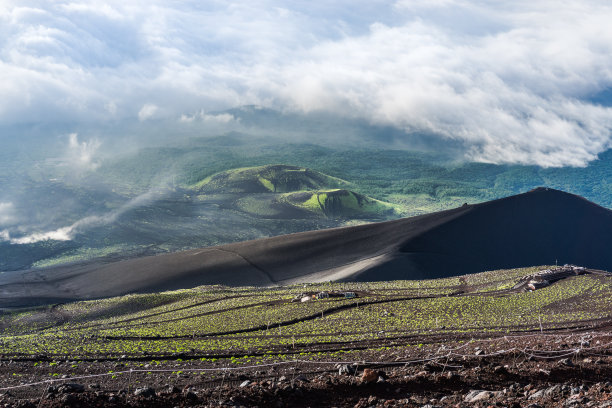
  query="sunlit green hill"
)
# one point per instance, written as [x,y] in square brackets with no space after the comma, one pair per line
[338,203]
[277,178]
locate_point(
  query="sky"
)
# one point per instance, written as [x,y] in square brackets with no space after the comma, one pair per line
[514,81]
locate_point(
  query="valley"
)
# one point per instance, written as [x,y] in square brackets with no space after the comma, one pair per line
[151,201]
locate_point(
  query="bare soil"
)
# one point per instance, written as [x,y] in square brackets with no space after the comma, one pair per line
[562,369]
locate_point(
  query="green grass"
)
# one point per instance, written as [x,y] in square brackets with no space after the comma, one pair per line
[339,202]
[275,178]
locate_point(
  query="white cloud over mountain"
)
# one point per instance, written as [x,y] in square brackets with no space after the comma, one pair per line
[514,80]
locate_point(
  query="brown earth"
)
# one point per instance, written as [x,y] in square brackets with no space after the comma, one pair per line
[565,369]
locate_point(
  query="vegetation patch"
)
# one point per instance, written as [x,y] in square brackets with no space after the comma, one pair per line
[214,321]
[278,178]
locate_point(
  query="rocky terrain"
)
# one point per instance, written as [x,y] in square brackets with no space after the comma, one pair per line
[529,370]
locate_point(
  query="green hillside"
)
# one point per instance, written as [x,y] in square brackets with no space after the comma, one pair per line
[276,178]
[338,203]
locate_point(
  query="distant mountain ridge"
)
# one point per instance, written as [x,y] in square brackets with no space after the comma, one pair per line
[539,227]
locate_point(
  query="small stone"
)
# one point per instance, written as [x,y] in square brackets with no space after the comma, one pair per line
[71,387]
[552,391]
[190,396]
[145,392]
[346,369]
[537,395]
[369,375]
[172,389]
[500,370]
[481,395]
[245,383]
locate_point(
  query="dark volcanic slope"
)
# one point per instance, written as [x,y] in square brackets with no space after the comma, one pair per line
[538,227]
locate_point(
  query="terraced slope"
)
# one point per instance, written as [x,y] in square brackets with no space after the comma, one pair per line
[216,320]
[538,227]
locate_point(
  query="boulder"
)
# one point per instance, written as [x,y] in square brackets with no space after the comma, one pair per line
[369,375]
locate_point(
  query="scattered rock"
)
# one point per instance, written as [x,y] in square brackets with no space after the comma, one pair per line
[146,392]
[171,389]
[369,375]
[501,370]
[345,369]
[245,383]
[68,399]
[190,396]
[71,387]
[537,395]
[553,391]
[481,395]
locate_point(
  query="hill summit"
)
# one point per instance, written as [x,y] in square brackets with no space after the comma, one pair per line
[276,178]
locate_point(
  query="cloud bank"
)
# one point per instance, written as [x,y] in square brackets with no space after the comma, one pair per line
[68,233]
[514,80]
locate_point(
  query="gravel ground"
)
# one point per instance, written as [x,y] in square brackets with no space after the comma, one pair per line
[537,370]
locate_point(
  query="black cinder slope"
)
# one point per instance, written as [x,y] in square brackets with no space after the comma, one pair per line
[541,227]
[534,228]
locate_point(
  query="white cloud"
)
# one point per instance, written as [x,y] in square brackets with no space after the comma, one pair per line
[147,112]
[61,234]
[111,107]
[4,235]
[8,214]
[510,79]
[220,118]
[81,155]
